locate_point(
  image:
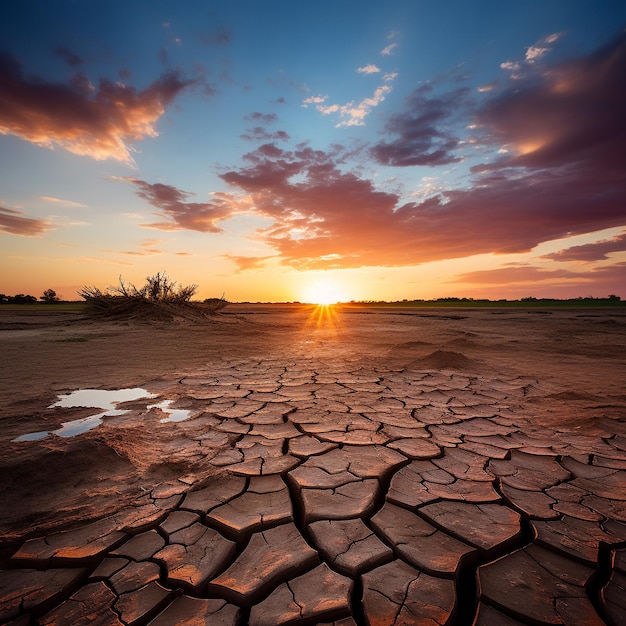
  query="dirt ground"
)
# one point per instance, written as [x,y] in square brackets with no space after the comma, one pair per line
[46,353]
[276,425]
[577,357]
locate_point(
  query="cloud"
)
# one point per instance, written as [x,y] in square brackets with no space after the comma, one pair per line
[517,274]
[419,137]
[247,262]
[258,133]
[352,114]
[71,58]
[387,50]
[264,118]
[572,115]
[541,48]
[97,122]
[596,251]
[535,53]
[325,217]
[527,278]
[147,248]
[15,223]
[369,69]
[180,214]
[313,100]
[67,203]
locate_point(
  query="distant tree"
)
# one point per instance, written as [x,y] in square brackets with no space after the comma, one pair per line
[49,296]
[4,297]
[20,298]
[614,298]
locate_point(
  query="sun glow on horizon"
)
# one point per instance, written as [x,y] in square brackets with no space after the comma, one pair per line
[324,291]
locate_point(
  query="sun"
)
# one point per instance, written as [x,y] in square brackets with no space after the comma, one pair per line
[323,291]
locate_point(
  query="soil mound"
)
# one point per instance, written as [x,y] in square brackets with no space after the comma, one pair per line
[446,360]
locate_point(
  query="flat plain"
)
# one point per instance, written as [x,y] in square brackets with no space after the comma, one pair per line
[287,464]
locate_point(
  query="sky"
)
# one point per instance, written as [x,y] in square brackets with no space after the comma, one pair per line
[288,151]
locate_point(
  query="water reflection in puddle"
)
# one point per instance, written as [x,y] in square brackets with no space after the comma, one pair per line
[101,398]
[175,415]
[89,398]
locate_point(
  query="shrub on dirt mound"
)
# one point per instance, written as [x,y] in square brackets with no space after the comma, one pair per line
[159,299]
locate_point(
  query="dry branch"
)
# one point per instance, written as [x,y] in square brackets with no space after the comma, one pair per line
[160,299]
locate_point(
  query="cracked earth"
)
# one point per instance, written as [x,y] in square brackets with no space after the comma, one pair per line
[316,487]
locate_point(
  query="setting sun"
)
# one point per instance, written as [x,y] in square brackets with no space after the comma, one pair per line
[323,291]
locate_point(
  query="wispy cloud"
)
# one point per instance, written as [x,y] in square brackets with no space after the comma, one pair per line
[244,263]
[260,133]
[533,54]
[174,206]
[527,274]
[387,50]
[597,251]
[67,203]
[314,100]
[531,280]
[100,122]
[264,118]
[148,248]
[15,222]
[354,114]
[542,47]
[369,69]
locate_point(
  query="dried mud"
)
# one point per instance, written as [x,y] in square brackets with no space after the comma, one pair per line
[369,466]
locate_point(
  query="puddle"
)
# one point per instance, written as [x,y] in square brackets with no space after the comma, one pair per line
[91,398]
[175,415]
[32,436]
[100,398]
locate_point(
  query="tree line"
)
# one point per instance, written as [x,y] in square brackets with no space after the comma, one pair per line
[49,296]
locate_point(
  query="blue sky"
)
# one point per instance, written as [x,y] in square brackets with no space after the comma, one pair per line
[385,150]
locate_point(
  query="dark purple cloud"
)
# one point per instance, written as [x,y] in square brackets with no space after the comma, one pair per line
[571,114]
[262,118]
[258,133]
[517,274]
[419,134]
[173,205]
[325,217]
[563,176]
[71,58]
[99,122]
[596,251]
[528,280]
[16,223]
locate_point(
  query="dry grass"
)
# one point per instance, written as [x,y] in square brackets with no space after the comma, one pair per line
[159,299]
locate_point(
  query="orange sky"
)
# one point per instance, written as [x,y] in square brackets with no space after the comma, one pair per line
[274,153]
